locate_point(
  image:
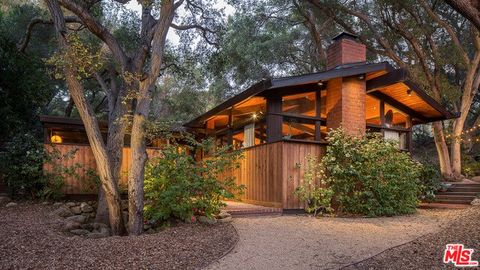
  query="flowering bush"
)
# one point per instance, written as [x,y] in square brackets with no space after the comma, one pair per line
[365,176]
[179,186]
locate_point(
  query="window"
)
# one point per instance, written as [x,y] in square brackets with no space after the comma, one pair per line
[395,117]
[372,110]
[298,129]
[301,104]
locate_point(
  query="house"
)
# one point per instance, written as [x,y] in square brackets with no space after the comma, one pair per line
[277,122]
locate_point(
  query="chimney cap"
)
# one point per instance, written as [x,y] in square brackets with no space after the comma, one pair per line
[345,35]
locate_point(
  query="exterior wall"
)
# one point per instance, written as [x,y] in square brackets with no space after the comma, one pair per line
[84,156]
[271,175]
[346,104]
[345,51]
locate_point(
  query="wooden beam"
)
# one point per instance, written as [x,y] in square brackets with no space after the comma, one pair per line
[398,105]
[274,121]
[393,77]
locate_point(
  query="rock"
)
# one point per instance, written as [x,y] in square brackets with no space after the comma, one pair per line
[102,233]
[62,212]
[146,227]
[11,204]
[86,208]
[206,220]
[476,178]
[76,210]
[98,226]
[80,232]
[77,218]
[150,231]
[223,214]
[4,200]
[72,225]
[45,203]
[225,220]
[475,202]
[70,204]
[58,204]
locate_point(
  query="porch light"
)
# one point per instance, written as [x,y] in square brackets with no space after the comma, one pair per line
[409,92]
[320,83]
[56,139]
[254,116]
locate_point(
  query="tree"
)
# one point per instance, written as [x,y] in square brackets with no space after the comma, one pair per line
[470,9]
[136,66]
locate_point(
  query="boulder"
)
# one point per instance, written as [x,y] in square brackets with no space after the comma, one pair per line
[80,232]
[70,204]
[76,210]
[475,202]
[45,203]
[98,226]
[71,225]
[4,200]
[62,212]
[206,220]
[11,204]
[150,231]
[57,204]
[102,233]
[86,208]
[77,218]
[223,214]
[476,178]
[225,220]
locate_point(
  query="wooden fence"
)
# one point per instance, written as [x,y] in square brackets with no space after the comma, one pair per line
[82,182]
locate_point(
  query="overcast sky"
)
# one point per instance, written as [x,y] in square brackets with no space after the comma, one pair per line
[172,36]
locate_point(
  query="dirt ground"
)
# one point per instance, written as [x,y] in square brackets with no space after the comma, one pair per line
[30,240]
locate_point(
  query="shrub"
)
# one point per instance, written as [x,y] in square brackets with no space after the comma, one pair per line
[430,182]
[178,186]
[314,190]
[24,176]
[367,176]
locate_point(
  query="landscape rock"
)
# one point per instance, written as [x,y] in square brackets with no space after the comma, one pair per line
[85,208]
[70,204]
[76,210]
[102,233]
[62,212]
[475,202]
[476,178]
[146,227]
[11,204]
[72,225]
[80,232]
[225,220]
[150,231]
[45,203]
[223,214]
[58,204]
[98,226]
[77,218]
[206,220]
[4,200]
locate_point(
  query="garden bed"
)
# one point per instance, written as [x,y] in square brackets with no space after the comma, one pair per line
[31,239]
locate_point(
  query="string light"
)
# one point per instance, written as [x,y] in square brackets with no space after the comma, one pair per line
[465,132]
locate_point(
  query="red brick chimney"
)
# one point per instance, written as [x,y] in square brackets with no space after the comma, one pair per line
[345,102]
[345,50]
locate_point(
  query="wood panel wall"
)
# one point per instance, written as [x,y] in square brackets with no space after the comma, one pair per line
[84,157]
[270,172]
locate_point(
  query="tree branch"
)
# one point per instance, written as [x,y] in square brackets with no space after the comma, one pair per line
[202,29]
[23,43]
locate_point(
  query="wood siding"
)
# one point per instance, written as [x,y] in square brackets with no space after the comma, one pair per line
[270,172]
[84,157]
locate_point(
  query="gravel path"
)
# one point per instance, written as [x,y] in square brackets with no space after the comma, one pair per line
[29,240]
[299,242]
[427,252]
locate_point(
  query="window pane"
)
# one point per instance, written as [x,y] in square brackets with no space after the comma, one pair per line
[372,110]
[302,104]
[297,129]
[394,117]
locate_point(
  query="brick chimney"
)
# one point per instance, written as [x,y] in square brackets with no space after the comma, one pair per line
[345,101]
[345,50]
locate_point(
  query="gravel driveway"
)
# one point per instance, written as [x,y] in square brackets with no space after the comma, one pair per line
[299,242]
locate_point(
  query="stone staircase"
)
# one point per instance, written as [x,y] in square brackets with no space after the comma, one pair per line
[458,193]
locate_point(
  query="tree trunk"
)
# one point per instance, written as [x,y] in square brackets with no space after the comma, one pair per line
[442,150]
[92,128]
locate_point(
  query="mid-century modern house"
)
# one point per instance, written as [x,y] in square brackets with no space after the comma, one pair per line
[277,122]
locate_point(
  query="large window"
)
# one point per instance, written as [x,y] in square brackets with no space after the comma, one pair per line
[301,104]
[298,129]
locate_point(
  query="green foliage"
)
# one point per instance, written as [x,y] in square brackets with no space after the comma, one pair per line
[368,176]
[314,190]
[178,186]
[471,167]
[23,163]
[430,180]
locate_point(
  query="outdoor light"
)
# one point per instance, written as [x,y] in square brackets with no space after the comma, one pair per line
[254,116]
[409,92]
[320,83]
[361,77]
[56,139]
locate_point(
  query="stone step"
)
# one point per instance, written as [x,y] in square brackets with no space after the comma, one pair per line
[453,200]
[463,189]
[466,193]
[455,197]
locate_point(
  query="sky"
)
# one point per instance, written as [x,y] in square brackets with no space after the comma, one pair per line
[172,35]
